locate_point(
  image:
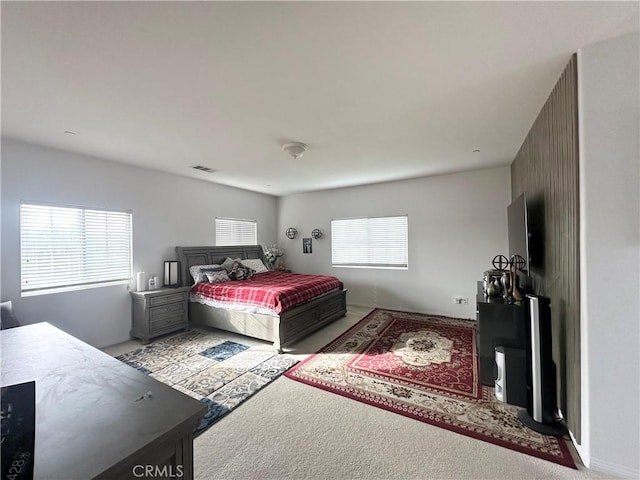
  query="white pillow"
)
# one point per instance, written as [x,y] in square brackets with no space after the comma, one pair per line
[197,274]
[255,264]
[217,277]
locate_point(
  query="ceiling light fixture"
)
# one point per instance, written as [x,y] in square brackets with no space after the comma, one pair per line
[295,149]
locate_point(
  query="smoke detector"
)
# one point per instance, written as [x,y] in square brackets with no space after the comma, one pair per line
[295,149]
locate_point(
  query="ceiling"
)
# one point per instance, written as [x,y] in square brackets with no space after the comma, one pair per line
[378,91]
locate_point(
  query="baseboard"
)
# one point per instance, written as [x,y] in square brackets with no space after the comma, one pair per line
[404,309]
[608,468]
[359,305]
[385,307]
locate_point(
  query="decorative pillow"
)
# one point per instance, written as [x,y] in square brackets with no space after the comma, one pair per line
[197,274]
[217,276]
[240,272]
[210,269]
[228,263]
[255,264]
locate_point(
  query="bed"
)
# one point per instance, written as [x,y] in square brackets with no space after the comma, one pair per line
[284,328]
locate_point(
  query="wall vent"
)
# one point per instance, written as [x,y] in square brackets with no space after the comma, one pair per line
[204,169]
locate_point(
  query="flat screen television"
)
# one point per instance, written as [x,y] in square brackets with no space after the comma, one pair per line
[518,228]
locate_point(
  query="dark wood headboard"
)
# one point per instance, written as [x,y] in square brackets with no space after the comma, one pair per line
[188,256]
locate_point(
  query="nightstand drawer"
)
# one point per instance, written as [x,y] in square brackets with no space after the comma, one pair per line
[163,311]
[170,298]
[166,322]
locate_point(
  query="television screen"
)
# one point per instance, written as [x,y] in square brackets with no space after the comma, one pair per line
[518,231]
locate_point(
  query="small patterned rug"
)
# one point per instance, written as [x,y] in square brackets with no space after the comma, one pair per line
[218,372]
[423,367]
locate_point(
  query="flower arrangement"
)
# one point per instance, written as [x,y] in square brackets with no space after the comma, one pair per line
[272,253]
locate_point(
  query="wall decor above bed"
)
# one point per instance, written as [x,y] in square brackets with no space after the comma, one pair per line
[275,306]
[291,233]
[307,245]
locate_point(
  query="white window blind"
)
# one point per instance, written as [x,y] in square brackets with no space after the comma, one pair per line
[380,242]
[67,248]
[232,231]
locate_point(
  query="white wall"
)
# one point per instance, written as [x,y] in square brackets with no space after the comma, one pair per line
[609,103]
[457,224]
[168,210]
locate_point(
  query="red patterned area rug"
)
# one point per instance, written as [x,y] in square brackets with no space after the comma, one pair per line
[423,367]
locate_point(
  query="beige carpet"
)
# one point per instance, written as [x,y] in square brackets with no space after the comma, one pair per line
[294,431]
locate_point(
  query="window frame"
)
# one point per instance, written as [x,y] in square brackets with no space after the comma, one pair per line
[402,262]
[84,248]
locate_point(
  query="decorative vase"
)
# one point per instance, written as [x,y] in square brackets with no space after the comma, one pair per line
[493,289]
[506,285]
[516,294]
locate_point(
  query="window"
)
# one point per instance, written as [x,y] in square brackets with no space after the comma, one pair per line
[379,242]
[231,231]
[71,248]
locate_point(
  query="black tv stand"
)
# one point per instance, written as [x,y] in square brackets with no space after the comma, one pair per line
[500,323]
[555,429]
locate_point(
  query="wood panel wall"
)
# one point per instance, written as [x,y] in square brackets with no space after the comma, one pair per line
[546,169]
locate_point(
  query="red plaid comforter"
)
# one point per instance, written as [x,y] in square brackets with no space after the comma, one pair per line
[279,291]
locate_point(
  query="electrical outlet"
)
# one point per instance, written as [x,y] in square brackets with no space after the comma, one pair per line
[460,301]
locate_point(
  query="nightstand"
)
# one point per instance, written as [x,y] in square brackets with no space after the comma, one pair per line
[158,312]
